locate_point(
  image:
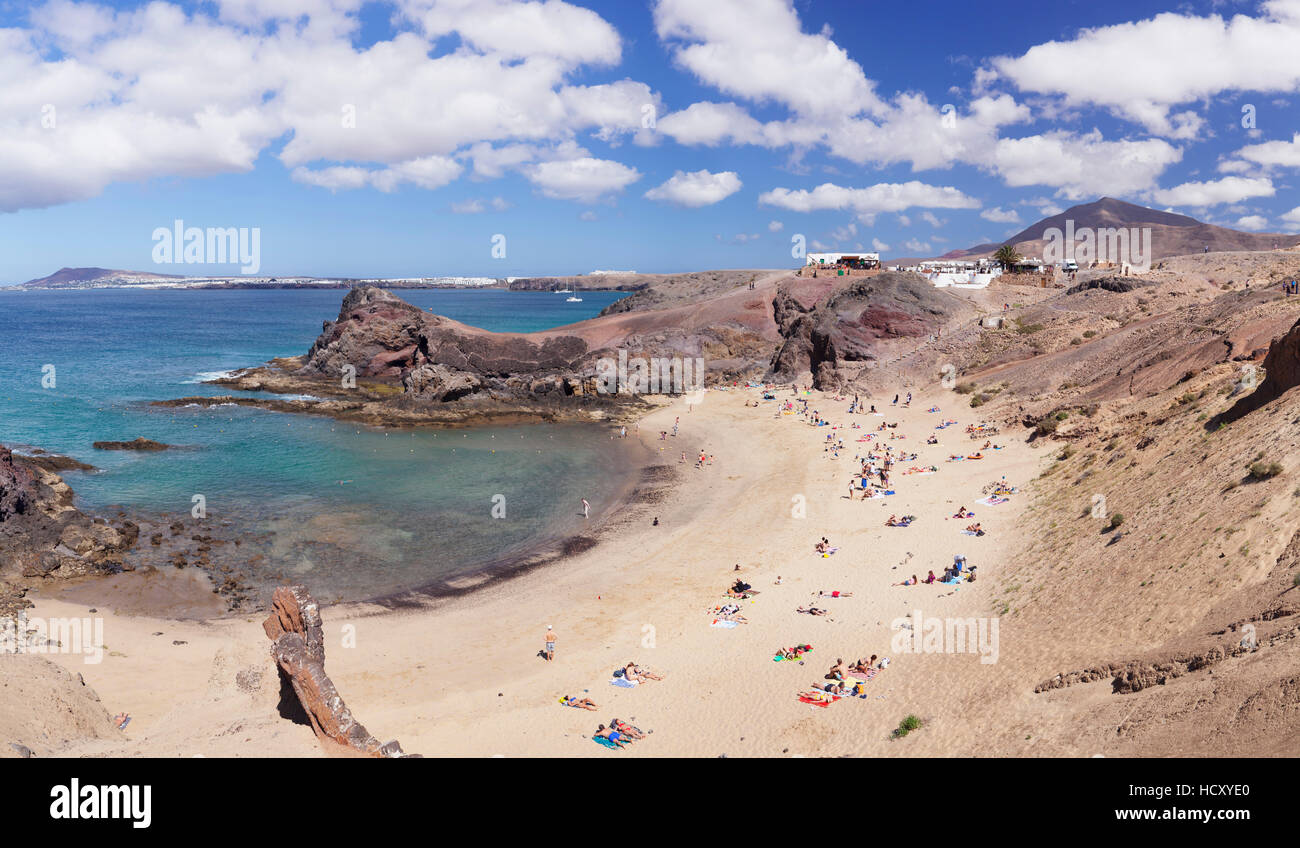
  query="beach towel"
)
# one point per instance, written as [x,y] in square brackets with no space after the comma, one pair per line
[604,743]
[724,624]
[992,500]
[622,682]
[819,703]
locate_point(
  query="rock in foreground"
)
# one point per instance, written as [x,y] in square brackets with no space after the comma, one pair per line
[294,627]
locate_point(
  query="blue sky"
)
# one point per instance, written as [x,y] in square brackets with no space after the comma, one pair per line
[397,139]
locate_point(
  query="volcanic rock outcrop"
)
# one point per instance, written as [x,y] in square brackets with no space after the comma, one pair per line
[852,321]
[380,335]
[43,535]
[1281,373]
[294,628]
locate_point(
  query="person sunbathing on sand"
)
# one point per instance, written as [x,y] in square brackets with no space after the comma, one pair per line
[961,513]
[932,441]
[891,521]
[575,701]
[976,529]
[642,673]
[626,729]
[911,582]
[838,670]
[834,594]
[612,735]
[862,666]
[930,578]
[815,694]
[811,610]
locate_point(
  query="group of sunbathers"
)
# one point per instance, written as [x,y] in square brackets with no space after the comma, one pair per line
[894,521]
[620,733]
[837,679]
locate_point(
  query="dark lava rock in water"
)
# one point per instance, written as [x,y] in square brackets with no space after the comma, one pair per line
[140,444]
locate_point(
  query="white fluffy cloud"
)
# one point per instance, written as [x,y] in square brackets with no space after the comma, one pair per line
[1254,223]
[1268,155]
[429,172]
[999,215]
[867,202]
[476,205]
[757,50]
[1214,192]
[1145,69]
[698,188]
[166,91]
[515,30]
[1046,206]
[1083,166]
[711,124]
[586,180]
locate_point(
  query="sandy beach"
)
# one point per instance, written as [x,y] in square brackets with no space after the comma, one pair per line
[463,676]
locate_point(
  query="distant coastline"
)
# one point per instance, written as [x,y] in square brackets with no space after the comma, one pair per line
[103,278]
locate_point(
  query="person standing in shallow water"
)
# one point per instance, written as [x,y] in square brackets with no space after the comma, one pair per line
[586,508]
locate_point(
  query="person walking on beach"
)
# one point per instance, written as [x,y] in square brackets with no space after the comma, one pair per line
[550,643]
[676,421]
[586,508]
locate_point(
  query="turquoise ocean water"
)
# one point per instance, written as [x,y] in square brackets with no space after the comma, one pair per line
[353,511]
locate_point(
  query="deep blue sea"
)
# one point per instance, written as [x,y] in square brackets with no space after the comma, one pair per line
[354,511]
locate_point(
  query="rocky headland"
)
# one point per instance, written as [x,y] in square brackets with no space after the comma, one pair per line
[384,361]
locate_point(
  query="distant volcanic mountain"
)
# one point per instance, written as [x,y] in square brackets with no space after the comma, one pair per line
[83,277]
[1171,234]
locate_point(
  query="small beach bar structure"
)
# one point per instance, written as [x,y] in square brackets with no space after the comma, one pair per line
[841,264]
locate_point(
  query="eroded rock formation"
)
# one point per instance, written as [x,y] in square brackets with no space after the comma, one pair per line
[298,646]
[1281,373]
[43,535]
[852,321]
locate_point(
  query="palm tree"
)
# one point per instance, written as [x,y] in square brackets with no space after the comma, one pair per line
[1006,256]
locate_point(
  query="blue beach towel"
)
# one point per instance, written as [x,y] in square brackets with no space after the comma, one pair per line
[604,743]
